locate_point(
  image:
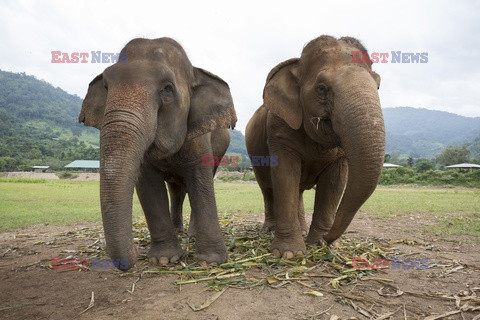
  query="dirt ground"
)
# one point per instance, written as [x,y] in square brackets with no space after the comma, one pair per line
[30,289]
[85,176]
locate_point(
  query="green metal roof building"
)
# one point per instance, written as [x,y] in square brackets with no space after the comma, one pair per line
[86,165]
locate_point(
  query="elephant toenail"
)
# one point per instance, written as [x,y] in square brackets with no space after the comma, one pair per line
[153,261]
[174,259]
[276,253]
[163,261]
[287,255]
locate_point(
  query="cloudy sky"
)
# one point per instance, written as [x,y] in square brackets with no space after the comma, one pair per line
[242,40]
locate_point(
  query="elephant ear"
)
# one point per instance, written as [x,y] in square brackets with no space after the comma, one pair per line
[281,93]
[93,106]
[211,105]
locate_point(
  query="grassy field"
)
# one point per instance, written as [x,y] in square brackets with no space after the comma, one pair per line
[26,202]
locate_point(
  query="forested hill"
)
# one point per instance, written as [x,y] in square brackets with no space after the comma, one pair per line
[422,133]
[237,144]
[39,126]
[24,99]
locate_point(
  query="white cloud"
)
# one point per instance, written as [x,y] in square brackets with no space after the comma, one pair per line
[242,41]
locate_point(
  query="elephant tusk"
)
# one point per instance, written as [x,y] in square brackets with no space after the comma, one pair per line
[318,119]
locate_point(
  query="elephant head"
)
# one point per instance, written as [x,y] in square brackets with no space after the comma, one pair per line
[336,103]
[147,107]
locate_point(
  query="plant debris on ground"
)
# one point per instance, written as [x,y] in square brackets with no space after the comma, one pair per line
[250,262]
[323,269]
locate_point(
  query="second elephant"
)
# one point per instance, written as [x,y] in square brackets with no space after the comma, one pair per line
[322,118]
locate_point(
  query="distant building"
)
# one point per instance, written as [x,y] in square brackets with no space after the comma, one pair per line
[464,166]
[85,165]
[40,169]
[390,165]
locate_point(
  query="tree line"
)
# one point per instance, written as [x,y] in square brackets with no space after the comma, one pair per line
[432,171]
[39,126]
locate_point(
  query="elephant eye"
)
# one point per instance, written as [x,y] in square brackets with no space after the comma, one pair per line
[168,89]
[322,91]
[167,94]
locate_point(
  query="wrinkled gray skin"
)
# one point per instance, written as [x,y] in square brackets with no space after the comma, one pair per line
[156,114]
[322,117]
[220,139]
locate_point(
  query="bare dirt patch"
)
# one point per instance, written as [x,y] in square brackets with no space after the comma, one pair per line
[84,176]
[88,176]
[32,175]
[31,289]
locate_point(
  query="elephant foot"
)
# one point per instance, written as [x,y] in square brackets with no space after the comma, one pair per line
[126,262]
[178,223]
[192,231]
[268,225]
[192,226]
[288,247]
[212,255]
[162,254]
[304,227]
[179,229]
[314,236]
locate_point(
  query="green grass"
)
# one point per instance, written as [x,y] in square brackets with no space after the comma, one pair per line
[454,210]
[25,202]
[391,201]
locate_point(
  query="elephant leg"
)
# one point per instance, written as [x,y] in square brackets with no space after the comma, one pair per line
[192,226]
[330,187]
[210,244]
[301,214]
[177,196]
[269,223]
[288,240]
[152,194]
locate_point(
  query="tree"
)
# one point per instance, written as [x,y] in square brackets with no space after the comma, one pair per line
[424,165]
[410,162]
[454,155]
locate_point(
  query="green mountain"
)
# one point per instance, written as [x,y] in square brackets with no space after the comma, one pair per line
[237,147]
[39,126]
[422,133]
[474,148]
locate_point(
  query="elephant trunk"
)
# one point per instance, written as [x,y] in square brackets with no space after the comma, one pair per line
[362,134]
[123,142]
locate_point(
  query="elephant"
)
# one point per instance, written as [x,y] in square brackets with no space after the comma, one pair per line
[321,116]
[156,114]
[220,140]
